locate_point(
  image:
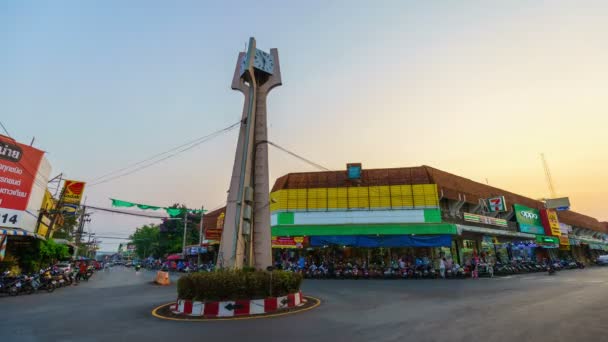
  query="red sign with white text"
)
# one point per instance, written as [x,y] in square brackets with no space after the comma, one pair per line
[18,168]
[289,242]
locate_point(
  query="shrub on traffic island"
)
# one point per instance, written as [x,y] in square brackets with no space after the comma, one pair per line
[225,285]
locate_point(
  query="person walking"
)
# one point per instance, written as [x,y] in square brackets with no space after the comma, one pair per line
[475,266]
[442,265]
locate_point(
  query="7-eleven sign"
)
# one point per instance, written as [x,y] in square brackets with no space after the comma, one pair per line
[496,204]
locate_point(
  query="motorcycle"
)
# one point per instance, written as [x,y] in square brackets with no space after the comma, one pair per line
[47,282]
[9,285]
[29,284]
[59,278]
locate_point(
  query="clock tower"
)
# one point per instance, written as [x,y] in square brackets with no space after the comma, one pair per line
[246,236]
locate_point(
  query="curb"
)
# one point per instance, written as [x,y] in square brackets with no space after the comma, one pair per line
[163,312]
[236,308]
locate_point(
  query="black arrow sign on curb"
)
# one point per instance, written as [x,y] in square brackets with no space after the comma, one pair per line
[284,301]
[231,306]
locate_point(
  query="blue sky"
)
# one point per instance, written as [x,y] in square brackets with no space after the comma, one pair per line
[453,85]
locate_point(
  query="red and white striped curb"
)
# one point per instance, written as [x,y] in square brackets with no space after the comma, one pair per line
[236,308]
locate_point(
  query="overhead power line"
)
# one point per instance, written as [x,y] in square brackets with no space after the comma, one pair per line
[115,211]
[113,237]
[152,160]
[308,161]
[5,130]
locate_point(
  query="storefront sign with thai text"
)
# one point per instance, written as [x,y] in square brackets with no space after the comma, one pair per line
[485,220]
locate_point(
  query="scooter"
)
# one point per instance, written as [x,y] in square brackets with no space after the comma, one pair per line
[9,285]
[29,284]
[47,283]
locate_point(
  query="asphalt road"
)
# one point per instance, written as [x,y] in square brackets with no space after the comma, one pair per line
[115,306]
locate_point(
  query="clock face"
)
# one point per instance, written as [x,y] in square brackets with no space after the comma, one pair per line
[263,61]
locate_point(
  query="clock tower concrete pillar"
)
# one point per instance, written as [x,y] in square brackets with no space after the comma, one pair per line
[246,239]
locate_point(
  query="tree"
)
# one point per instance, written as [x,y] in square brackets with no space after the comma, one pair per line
[166,238]
[68,229]
[146,240]
[50,251]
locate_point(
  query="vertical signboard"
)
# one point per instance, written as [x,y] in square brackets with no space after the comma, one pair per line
[550,222]
[19,165]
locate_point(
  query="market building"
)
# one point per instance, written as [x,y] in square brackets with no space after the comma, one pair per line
[379,215]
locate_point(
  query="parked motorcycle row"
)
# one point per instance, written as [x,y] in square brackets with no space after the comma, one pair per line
[47,280]
[456,271]
[528,267]
[353,271]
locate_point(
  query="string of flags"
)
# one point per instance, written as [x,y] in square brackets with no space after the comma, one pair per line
[170,211]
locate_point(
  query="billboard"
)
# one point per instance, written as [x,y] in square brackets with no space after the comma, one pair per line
[550,222]
[528,219]
[19,168]
[566,229]
[72,191]
[559,204]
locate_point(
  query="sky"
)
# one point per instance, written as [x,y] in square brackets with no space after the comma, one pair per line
[475,88]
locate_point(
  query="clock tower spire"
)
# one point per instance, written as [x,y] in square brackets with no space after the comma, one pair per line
[246,236]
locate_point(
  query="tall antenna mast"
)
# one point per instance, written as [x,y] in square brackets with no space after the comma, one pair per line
[548,176]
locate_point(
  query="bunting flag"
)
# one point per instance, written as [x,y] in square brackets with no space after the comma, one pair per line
[170,211]
[119,203]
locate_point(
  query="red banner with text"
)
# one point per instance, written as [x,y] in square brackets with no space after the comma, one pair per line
[18,168]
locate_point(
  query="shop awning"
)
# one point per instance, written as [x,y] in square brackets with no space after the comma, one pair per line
[367,229]
[20,232]
[496,232]
[589,240]
[383,241]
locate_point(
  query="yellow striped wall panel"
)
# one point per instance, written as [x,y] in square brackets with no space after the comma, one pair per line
[374,197]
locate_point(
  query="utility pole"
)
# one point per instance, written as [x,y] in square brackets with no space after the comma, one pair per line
[201,238]
[59,179]
[79,231]
[83,219]
[58,207]
[90,244]
[185,230]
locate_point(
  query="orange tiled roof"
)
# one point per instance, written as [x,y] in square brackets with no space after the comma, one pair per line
[210,218]
[449,186]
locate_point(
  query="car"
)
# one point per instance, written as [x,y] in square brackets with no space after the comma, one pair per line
[64,267]
[602,260]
